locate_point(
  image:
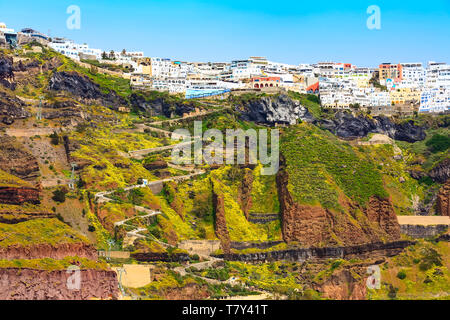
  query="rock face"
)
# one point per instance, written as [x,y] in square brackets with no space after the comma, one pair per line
[315,225]
[156,165]
[443,200]
[159,106]
[17,196]
[160,256]
[220,222]
[17,161]
[343,285]
[82,87]
[11,108]
[6,68]
[56,251]
[345,125]
[75,84]
[441,172]
[30,284]
[267,110]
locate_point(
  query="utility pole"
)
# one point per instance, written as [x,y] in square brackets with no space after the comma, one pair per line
[72,176]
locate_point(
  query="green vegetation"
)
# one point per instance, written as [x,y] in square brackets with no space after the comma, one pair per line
[438,143]
[48,264]
[310,101]
[39,231]
[319,166]
[8,180]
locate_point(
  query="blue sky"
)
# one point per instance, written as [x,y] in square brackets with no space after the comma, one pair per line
[284,31]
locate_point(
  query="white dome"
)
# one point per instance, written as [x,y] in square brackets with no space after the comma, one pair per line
[2,25]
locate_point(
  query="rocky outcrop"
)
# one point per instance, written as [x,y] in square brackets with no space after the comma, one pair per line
[76,84]
[160,106]
[11,108]
[53,251]
[31,284]
[313,225]
[441,172]
[6,68]
[220,222]
[156,165]
[15,160]
[443,200]
[82,87]
[17,196]
[343,285]
[347,126]
[274,110]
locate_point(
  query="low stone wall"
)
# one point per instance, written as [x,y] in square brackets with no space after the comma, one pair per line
[263,218]
[423,232]
[202,247]
[320,254]
[254,245]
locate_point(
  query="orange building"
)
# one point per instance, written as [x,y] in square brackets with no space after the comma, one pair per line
[265,82]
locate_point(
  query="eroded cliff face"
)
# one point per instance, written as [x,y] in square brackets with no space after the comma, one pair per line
[441,172]
[221,223]
[30,284]
[345,125]
[443,200]
[15,160]
[271,110]
[317,226]
[343,285]
[56,251]
[17,196]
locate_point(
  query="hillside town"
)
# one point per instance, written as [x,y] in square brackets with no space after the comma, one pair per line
[390,89]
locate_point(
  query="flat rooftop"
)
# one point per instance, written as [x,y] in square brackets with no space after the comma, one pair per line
[424,220]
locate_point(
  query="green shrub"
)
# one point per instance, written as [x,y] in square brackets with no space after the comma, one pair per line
[438,143]
[59,195]
[401,275]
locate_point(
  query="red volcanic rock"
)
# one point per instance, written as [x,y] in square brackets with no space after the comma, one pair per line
[17,196]
[318,226]
[44,250]
[15,160]
[30,284]
[443,200]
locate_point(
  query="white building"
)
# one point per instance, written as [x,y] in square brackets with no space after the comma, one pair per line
[72,50]
[435,100]
[413,75]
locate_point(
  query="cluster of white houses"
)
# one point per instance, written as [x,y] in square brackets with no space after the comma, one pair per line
[340,85]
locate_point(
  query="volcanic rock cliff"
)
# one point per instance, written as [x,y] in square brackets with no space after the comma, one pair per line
[84,88]
[443,200]
[17,161]
[271,110]
[43,250]
[30,284]
[159,106]
[345,125]
[318,226]
[441,172]
[17,196]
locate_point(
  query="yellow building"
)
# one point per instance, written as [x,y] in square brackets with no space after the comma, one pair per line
[404,95]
